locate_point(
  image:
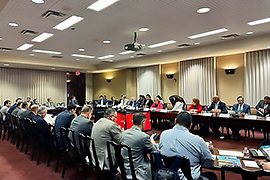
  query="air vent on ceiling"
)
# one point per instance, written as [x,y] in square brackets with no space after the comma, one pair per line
[53,14]
[107,61]
[140,54]
[29,32]
[230,36]
[5,49]
[56,57]
[183,45]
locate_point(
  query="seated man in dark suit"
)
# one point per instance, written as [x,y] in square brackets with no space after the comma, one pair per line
[140,145]
[17,109]
[263,106]
[102,101]
[81,124]
[73,100]
[242,108]
[30,113]
[64,120]
[217,106]
[42,127]
[133,102]
[11,109]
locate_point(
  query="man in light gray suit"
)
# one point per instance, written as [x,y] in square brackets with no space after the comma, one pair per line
[81,124]
[140,145]
[105,130]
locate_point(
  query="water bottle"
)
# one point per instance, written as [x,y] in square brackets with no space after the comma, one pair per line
[211,147]
[245,152]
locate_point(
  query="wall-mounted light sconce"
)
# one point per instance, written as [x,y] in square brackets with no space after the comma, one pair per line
[169,75]
[109,80]
[230,70]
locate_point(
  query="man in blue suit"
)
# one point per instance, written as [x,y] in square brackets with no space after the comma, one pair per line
[217,107]
[42,127]
[242,108]
[133,102]
[102,101]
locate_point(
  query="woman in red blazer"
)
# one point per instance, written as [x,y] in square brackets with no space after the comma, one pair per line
[195,106]
[157,104]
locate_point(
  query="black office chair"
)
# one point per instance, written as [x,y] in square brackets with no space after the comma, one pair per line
[159,161]
[120,160]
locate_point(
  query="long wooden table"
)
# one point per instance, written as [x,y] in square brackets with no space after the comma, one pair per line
[242,122]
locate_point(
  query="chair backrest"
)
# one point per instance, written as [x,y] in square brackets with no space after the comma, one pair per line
[64,138]
[1,120]
[76,151]
[84,146]
[55,140]
[87,142]
[120,160]
[159,161]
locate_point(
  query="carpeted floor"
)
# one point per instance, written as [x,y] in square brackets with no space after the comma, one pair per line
[15,165]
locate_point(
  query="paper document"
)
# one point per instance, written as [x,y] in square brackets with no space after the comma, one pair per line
[251,117]
[207,114]
[163,110]
[230,153]
[224,115]
[252,164]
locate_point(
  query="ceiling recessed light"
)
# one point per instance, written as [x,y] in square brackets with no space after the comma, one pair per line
[83,56]
[101,4]
[81,49]
[162,44]
[107,56]
[190,58]
[106,42]
[208,33]
[31,54]
[126,52]
[144,29]
[132,56]
[6,64]
[42,37]
[159,51]
[46,52]
[13,24]
[197,43]
[77,59]
[249,33]
[257,22]
[268,46]
[24,47]
[38,1]
[1,38]
[203,10]
[53,68]
[68,22]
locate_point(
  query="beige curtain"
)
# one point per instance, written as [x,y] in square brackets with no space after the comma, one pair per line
[197,78]
[149,80]
[34,83]
[257,76]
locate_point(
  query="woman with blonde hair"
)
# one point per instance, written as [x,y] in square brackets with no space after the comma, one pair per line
[157,104]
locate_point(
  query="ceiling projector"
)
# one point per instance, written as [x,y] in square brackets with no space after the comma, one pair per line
[135,46]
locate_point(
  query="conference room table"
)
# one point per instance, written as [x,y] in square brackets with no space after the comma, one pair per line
[248,121]
[246,165]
